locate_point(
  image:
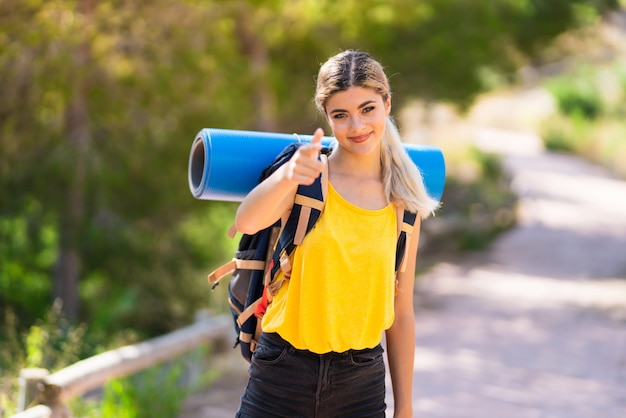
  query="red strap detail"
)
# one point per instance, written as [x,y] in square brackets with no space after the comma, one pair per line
[262,306]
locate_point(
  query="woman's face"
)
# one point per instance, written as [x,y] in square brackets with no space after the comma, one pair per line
[357,118]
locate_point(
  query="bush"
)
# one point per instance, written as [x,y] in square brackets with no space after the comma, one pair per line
[158,391]
[566,134]
[477,205]
[51,343]
[589,124]
[577,97]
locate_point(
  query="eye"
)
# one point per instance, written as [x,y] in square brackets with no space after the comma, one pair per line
[339,116]
[368,109]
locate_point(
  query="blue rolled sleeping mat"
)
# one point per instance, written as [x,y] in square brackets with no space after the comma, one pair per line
[226,164]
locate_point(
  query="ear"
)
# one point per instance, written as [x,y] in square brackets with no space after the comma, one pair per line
[388,105]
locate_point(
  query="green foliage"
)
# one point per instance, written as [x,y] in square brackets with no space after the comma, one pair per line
[154,392]
[566,133]
[146,88]
[442,49]
[100,104]
[12,355]
[52,343]
[478,205]
[157,391]
[101,101]
[576,97]
[590,121]
[488,204]
[28,247]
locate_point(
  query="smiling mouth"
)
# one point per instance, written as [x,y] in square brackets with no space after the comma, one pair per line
[360,138]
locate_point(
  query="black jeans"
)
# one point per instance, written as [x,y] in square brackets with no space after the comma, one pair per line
[286,382]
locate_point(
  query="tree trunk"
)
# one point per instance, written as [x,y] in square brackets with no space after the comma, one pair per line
[68,267]
[254,48]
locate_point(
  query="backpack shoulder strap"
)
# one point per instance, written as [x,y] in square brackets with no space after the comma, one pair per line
[406,224]
[309,198]
[307,208]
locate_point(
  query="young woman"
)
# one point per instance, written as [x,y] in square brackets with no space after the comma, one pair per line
[320,353]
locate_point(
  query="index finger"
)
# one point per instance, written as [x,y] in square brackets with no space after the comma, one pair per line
[317,137]
[315,146]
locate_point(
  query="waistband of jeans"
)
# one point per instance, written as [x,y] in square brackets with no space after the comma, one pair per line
[277,339]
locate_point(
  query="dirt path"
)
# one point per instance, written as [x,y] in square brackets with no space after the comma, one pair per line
[533,327]
[536,325]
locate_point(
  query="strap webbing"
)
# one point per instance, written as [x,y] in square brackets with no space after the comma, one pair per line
[309,202]
[245,337]
[303,222]
[247,313]
[307,208]
[250,264]
[406,223]
[235,263]
[222,271]
[234,306]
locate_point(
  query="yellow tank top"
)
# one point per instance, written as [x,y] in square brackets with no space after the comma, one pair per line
[341,292]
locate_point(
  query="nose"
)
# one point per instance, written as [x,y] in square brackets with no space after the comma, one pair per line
[356,123]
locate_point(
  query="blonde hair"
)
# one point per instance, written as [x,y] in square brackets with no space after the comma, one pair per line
[402,180]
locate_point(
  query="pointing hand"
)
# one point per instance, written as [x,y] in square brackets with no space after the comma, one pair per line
[304,167]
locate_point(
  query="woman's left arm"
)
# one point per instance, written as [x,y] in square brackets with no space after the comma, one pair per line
[401,335]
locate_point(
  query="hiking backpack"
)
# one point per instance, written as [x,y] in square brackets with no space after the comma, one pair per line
[261,256]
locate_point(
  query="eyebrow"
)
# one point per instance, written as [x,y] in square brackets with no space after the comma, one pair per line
[361,106]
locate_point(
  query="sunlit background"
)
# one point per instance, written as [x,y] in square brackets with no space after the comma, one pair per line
[102,244]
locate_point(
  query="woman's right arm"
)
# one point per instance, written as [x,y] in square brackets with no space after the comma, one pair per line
[274,196]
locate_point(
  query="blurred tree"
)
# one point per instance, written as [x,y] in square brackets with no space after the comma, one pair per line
[442,49]
[100,98]
[79,137]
